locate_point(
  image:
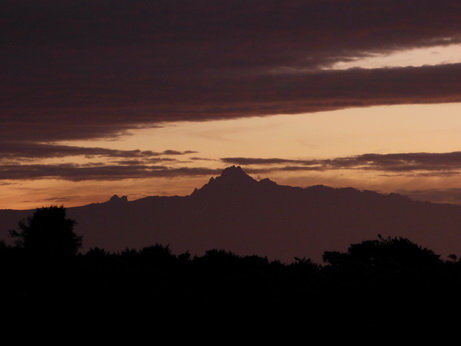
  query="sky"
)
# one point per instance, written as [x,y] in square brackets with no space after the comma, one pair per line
[154,97]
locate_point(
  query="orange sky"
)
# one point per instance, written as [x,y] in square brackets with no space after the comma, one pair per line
[336,134]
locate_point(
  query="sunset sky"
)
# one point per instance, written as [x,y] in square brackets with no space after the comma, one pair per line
[153,97]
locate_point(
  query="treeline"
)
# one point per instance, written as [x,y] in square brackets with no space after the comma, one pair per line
[382,282]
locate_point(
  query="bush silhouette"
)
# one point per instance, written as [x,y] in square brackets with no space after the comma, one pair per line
[395,251]
[48,232]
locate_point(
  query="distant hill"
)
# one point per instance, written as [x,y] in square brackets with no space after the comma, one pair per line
[237,213]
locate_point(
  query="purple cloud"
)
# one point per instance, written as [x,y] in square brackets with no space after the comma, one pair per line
[97,171]
[30,150]
[424,163]
[85,70]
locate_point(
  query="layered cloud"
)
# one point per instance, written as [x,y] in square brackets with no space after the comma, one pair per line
[84,69]
[28,161]
[23,150]
[97,171]
[146,166]
[414,163]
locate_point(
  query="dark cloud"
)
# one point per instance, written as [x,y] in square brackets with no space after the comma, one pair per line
[129,162]
[61,199]
[201,159]
[93,69]
[302,168]
[401,162]
[97,171]
[416,164]
[421,163]
[30,150]
[175,152]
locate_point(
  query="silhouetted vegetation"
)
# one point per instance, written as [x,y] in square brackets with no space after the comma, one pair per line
[375,284]
[48,232]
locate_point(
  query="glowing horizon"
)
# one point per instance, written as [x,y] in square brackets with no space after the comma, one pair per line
[378,130]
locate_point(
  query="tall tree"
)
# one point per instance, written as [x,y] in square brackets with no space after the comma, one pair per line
[49,232]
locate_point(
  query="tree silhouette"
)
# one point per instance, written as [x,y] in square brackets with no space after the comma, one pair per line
[48,232]
[391,250]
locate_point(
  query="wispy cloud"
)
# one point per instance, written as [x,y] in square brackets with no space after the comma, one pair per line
[97,171]
[403,162]
[30,150]
[60,199]
[175,152]
[434,163]
[201,159]
[422,164]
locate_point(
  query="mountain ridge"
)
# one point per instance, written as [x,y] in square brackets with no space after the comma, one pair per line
[237,213]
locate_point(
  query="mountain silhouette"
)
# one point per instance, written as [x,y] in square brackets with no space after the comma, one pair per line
[237,213]
[233,181]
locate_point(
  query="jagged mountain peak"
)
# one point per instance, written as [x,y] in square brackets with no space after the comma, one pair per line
[234,173]
[231,180]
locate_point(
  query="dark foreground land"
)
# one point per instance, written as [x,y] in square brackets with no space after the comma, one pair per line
[382,287]
[384,284]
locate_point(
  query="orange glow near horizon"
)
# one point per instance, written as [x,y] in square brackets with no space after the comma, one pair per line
[381,130]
